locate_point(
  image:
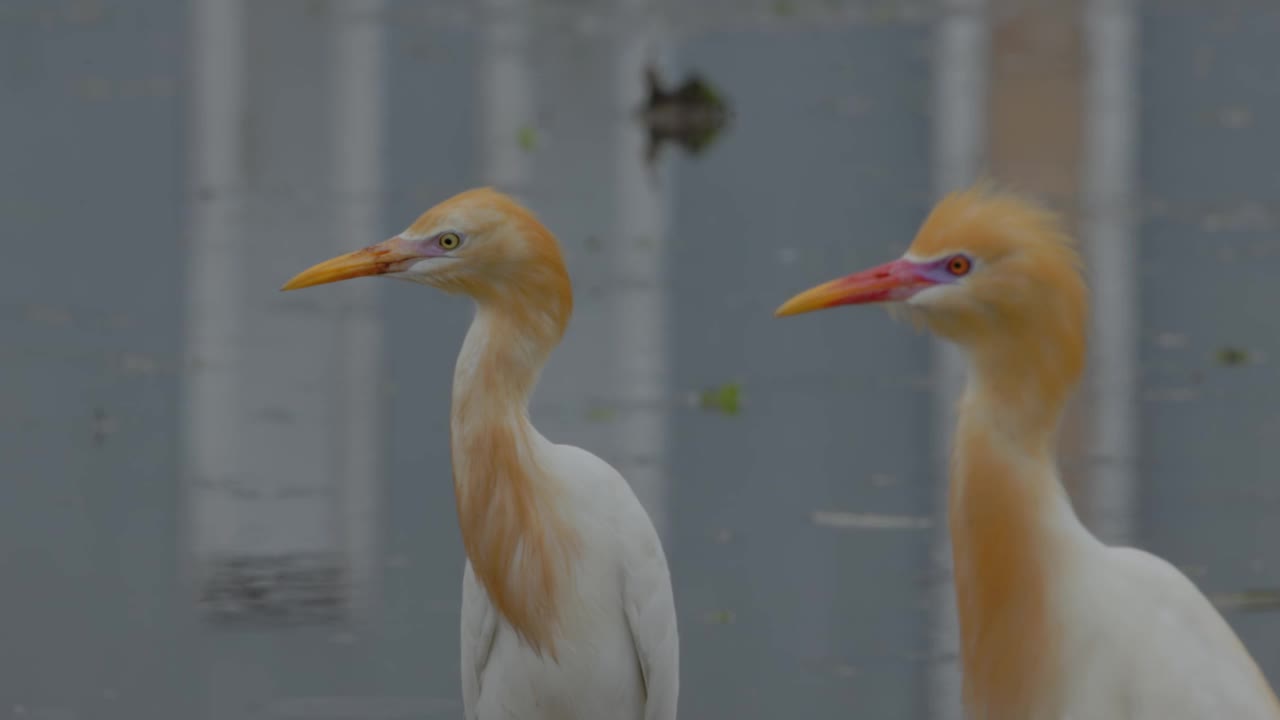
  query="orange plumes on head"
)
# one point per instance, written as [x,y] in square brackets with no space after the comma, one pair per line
[509,257]
[1023,308]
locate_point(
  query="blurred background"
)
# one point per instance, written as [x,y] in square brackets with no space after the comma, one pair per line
[218,501]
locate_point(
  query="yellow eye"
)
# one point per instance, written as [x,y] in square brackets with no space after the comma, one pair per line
[959,265]
[449,241]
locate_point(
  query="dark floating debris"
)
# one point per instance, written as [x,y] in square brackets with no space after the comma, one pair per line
[692,115]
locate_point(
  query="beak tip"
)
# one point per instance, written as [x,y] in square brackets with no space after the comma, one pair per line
[795,306]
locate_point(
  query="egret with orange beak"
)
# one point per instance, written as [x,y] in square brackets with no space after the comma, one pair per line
[1053,623]
[567,608]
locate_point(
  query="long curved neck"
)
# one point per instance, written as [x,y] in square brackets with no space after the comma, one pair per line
[497,368]
[1010,522]
[515,540]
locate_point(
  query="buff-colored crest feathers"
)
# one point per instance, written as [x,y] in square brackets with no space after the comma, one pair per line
[1029,303]
[519,267]
[989,221]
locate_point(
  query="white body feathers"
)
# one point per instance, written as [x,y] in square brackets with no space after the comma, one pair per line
[1141,642]
[618,648]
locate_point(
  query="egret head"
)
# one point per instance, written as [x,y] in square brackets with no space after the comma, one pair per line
[987,270]
[480,243]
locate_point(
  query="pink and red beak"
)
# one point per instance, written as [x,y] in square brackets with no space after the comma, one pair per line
[893,281]
[388,256]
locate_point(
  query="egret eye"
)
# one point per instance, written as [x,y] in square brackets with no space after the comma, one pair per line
[959,265]
[449,241]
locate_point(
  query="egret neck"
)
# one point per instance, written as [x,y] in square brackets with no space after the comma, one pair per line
[516,540]
[1012,525]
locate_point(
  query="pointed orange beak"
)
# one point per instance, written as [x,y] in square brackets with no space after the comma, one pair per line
[897,280]
[391,255]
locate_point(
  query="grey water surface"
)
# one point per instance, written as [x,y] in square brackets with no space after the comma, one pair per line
[223,502]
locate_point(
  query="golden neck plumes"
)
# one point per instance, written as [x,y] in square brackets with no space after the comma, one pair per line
[519,546]
[1004,492]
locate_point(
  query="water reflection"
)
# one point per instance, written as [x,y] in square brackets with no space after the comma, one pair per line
[281,399]
[1042,157]
[605,388]
[313,451]
[960,86]
[1110,244]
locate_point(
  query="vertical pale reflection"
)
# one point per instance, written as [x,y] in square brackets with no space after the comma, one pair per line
[506,94]
[213,296]
[585,175]
[359,100]
[282,395]
[1107,227]
[959,114]
[639,253]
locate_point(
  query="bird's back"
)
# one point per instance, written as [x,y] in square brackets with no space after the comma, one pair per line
[599,670]
[1146,644]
